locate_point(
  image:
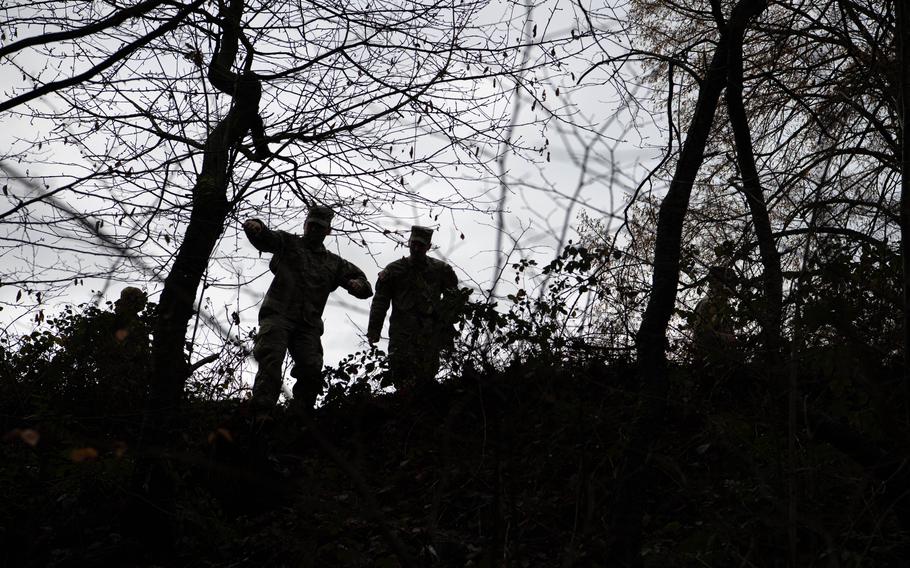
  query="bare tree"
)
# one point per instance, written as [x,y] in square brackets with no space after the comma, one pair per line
[627,506]
[254,108]
[811,111]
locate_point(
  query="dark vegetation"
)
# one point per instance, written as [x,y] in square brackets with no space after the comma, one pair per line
[581,425]
[505,462]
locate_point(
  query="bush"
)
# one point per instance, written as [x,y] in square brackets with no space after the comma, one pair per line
[88,367]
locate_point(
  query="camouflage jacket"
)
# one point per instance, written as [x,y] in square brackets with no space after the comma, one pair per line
[713,317]
[415,291]
[305,275]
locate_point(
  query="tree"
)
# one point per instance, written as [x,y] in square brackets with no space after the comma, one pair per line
[651,337]
[813,117]
[345,104]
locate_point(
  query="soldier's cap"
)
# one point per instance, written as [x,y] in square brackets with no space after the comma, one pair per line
[421,234]
[131,298]
[320,215]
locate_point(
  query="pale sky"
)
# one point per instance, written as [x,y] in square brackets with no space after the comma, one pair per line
[543,195]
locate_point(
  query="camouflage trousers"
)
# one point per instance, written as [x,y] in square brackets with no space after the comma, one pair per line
[278,336]
[413,357]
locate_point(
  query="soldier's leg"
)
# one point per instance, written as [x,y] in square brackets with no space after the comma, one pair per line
[306,350]
[425,348]
[269,350]
[402,360]
[432,361]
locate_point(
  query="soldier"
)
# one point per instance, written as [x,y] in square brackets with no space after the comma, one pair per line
[714,340]
[126,309]
[420,324]
[291,316]
[105,359]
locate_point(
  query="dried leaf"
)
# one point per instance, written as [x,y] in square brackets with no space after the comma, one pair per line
[29,436]
[83,454]
[119,449]
[220,433]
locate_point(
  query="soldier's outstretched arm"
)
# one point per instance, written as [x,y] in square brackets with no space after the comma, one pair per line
[261,237]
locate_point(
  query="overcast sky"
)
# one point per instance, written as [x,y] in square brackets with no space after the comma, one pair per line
[544,195]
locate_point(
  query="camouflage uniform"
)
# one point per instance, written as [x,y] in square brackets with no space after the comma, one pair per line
[713,333]
[290,319]
[419,326]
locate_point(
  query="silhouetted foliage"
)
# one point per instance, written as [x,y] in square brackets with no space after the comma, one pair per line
[510,458]
[585,417]
[88,366]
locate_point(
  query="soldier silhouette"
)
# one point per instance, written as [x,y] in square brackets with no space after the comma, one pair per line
[290,319]
[714,337]
[421,323]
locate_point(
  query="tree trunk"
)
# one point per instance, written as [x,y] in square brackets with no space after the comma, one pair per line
[635,472]
[770,316]
[210,208]
[770,312]
[903,42]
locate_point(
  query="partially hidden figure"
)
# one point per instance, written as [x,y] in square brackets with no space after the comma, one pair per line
[714,336]
[421,323]
[290,319]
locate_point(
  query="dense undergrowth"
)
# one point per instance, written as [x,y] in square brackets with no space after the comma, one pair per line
[509,460]
[511,467]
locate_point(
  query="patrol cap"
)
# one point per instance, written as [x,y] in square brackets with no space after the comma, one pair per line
[421,234]
[320,215]
[132,299]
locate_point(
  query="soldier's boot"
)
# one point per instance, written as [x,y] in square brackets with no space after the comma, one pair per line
[307,388]
[244,423]
[301,408]
[260,420]
[289,432]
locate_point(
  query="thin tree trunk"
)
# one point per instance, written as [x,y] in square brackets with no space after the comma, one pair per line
[628,502]
[772,276]
[634,476]
[770,313]
[903,42]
